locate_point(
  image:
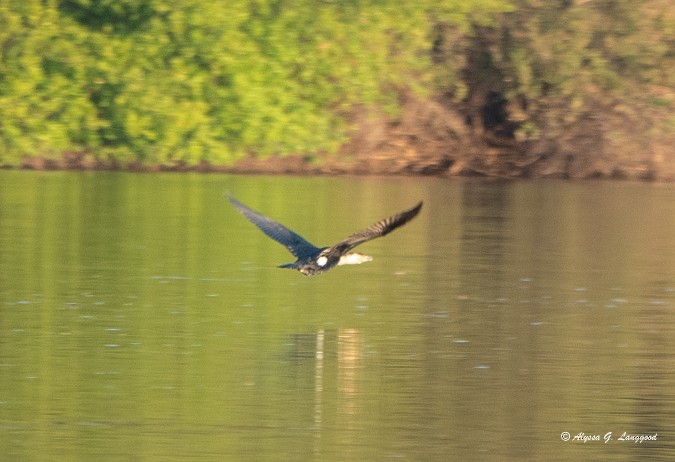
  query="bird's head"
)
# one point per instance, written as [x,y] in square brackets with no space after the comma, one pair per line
[354,259]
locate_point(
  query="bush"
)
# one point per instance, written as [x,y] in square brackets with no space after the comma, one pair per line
[163,81]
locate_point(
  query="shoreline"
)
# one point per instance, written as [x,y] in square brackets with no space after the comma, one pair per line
[432,139]
[331,165]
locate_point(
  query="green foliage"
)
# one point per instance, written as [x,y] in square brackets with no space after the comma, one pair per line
[164,81]
[42,110]
[187,80]
[576,53]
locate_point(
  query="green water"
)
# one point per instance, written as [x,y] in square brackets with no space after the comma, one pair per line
[143,319]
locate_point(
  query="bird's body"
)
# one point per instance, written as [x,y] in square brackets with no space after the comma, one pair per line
[313,260]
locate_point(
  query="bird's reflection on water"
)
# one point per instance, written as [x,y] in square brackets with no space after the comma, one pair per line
[338,348]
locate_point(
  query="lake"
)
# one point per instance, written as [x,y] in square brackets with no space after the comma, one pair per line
[143,319]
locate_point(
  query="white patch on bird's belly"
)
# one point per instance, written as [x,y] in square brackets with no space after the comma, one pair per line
[321,261]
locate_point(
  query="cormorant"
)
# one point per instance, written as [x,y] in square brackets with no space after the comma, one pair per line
[313,260]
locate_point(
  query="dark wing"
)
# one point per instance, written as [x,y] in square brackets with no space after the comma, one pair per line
[381,228]
[294,243]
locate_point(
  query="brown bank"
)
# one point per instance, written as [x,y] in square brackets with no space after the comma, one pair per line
[482,138]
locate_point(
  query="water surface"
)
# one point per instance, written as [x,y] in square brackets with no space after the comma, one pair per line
[142,318]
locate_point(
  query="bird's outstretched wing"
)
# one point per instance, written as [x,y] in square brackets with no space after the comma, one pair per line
[379,229]
[293,242]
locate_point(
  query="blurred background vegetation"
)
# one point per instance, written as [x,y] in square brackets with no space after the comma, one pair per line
[166,81]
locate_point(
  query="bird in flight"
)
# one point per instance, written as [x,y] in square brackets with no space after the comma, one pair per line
[312,260]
